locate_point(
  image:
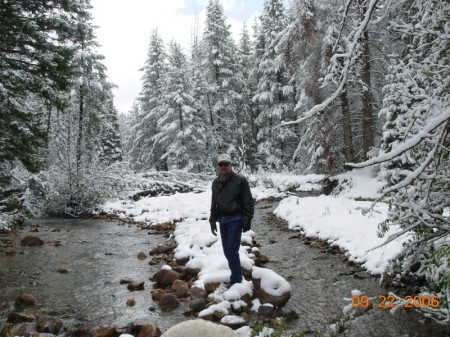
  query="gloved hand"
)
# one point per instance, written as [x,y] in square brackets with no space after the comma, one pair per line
[247,224]
[213,225]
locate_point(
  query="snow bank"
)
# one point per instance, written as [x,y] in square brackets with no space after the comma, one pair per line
[154,210]
[359,184]
[277,184]
[344,223]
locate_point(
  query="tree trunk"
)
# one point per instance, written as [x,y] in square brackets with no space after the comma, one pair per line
[180,113]
[49,123]
[367,98]
[211,120]
[69,146]
[80,132]
[348,142]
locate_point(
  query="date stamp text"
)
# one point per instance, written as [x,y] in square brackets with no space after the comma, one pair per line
[390,301]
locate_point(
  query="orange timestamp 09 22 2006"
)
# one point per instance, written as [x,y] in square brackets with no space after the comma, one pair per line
[387,302]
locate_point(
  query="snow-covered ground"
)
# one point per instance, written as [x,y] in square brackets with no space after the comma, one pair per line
[341,220]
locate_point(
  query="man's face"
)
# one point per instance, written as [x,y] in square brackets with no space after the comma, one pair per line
[224,168]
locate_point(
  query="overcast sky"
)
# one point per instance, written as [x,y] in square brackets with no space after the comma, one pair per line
[124,28]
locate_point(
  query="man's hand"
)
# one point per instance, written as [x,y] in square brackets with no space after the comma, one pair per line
[213,225]
[247,224]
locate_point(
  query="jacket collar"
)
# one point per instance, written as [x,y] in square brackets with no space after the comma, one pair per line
[232,173]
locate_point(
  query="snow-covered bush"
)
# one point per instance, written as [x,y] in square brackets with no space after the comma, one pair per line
[59,192]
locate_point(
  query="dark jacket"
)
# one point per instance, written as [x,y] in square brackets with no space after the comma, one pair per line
[231,197]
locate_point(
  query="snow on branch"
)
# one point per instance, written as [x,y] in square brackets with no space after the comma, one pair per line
[433,124]
[353,47]
[420,169]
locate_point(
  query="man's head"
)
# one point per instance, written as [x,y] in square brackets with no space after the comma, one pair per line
[224,164]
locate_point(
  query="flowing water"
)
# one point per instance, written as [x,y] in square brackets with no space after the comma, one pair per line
[79,279]
[320,280]
[94,255]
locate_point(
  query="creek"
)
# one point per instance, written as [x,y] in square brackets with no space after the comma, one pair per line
[76,275]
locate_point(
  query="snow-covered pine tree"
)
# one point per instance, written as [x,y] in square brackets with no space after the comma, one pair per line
[181,131]
[332,45]
[344,88]
[86,97]
[415,147]
[129,124]
[71,181]
[36,49]
[247,108]
[110,135]
[299,47]
[219,71]
[143,152]
[274,95]
[254,76]
[200,95]
[86,132]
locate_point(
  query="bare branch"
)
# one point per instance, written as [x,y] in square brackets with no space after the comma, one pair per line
[434,123]
[411,177]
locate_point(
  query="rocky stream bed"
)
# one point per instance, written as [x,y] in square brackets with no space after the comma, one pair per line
[99,277]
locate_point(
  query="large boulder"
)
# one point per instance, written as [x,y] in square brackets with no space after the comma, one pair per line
[157,294]
[31,241]
[18,317]
[168,302]
[149,330]
[270,287]
[197,304]
[104,332]
[141,255]
[135,327]
[26,299]
[164,226]
[199,328]
[165,276]
[180,288]
[48,325]
[10,251]
[135,285]
[197,292]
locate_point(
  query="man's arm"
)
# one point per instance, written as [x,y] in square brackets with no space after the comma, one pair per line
[248,203]
[213,216]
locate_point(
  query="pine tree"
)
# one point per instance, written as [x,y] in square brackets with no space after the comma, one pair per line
[110,136]
[88,95]
[83,140]
[348,84]
[331,46]
[248,109]
[299,48]
[203,158]
[35,54]
[274,93]
[143,152]
[181,129]
[219,64]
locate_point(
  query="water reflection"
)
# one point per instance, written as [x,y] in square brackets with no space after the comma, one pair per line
[80,278]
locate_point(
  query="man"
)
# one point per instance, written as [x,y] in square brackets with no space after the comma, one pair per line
[232,207]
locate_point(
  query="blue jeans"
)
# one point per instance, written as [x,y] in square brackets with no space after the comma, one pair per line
[231,232]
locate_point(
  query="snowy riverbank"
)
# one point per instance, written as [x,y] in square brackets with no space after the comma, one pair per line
[339,219]
[342,220]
